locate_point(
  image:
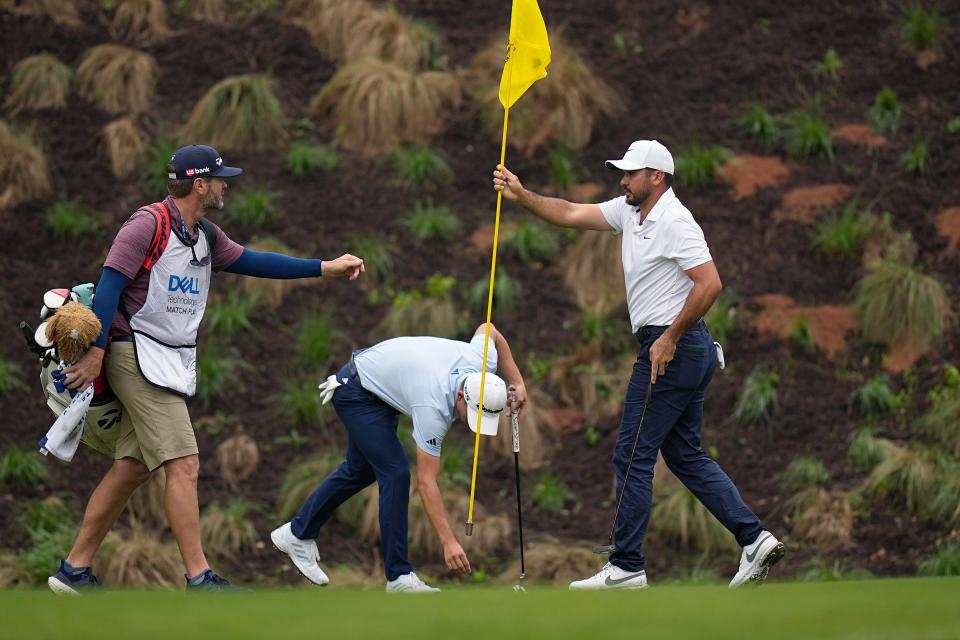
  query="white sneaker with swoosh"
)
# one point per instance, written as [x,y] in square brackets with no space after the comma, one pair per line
[611,577]
[757,558]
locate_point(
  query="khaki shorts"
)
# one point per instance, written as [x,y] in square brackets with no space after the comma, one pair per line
[155,426]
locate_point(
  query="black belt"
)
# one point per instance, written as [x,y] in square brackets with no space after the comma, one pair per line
[645,333]
[122,338]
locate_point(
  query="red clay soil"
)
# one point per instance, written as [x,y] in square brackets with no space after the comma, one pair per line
[805,204]
[830,325]
[701,65]
[948,226]
[746,174]
[860,135]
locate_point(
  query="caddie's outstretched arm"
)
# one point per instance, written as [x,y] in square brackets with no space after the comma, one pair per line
[264,264]
[554,210]
[428,467]
[506,363]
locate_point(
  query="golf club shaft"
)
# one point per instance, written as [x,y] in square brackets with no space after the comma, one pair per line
[515,427]
[633,451]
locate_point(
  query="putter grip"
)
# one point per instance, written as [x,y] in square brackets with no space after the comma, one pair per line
[515,426]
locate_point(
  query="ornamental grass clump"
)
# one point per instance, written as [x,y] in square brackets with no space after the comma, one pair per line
[24,171]
[41,81]
[374,106]
[240,112]
[120,79]
[564,107]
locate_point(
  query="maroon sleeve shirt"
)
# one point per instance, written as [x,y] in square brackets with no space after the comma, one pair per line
[129,249]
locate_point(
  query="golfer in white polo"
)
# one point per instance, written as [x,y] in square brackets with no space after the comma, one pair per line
[432,380]
[671,282]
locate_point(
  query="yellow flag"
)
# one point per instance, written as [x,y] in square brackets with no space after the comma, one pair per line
[528,53]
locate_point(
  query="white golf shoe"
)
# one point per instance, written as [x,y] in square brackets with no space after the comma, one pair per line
[611,577]
[303,553]
[757,558]
[410,583]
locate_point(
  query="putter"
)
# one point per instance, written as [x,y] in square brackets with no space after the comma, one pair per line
[611,545]
[515,426]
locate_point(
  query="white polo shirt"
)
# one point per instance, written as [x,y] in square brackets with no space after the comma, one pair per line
[655,256]
[420,376]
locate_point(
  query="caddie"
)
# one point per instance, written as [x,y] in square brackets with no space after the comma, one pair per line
[432,380]
[671,282]
[150,300]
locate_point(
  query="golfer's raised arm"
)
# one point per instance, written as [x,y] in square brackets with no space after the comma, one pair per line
[554,210]
[505,363]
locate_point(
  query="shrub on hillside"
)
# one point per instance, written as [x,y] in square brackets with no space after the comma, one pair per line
[877,398]
[237,457]
[386,34]
[803,473]
[507,294]
[696,165]
[898,302]
[22,468]
[253,207]
[564,107]
[305,159]
[153,172]
[758,398]
[843,233]
[219,366]
[126,147]
[680,519]
[69,219]
[24,171]
[318,339]
[139,21]
[921,29]
[422,166]
[11,378]
[808,134]
[119,79]
[531,241]
[228,316]
[268,292]
[226,530]
[760,125]
[374,107]
[430,312]
[945,562]
[432,222]
[593,272]
[41,81]
[139,558]
[886,111]
[240,112]
[549,493]
[721,319]
[62,12]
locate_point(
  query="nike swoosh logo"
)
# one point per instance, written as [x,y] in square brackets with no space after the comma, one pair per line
[647,238]
[610,582]
[750,557]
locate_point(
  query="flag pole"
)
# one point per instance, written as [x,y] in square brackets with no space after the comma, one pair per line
[493,271]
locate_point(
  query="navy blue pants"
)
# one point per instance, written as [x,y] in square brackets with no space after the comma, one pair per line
[374,452]
[672,426]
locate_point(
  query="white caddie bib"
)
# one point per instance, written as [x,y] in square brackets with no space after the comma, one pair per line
[165,329]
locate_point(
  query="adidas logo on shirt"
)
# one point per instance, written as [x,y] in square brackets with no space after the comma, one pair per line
[433,442]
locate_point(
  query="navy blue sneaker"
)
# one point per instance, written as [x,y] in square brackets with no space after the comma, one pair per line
[69,581]
[209,581]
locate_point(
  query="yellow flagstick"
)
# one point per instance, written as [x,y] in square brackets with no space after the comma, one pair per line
[529,46]
[493,272]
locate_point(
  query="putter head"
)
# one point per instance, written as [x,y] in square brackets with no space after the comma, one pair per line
[605,548]
[519,588]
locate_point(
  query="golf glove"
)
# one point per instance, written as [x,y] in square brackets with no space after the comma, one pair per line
[327,387]
[720,361]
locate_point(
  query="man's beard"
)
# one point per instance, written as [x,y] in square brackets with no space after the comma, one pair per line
[212,201]
[637,199]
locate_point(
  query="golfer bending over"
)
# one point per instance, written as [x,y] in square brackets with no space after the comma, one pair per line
[433,381]
[671,282]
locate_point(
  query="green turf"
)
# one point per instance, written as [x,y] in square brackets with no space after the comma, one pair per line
[910,608]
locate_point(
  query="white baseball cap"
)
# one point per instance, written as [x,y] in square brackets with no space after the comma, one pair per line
[644,154]
[494,400]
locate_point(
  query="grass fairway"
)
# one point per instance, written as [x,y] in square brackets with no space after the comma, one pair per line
[907,608]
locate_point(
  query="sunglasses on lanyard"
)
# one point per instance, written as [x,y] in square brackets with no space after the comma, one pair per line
[190,242]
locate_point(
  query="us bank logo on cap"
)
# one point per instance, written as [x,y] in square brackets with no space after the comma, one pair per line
[199,161]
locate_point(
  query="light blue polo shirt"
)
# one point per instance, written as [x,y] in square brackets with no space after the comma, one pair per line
[419,376]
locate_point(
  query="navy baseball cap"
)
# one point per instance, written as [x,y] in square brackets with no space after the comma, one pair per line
[199,161]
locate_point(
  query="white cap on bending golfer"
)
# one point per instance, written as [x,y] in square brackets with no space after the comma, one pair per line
[644,154]
[494,400]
